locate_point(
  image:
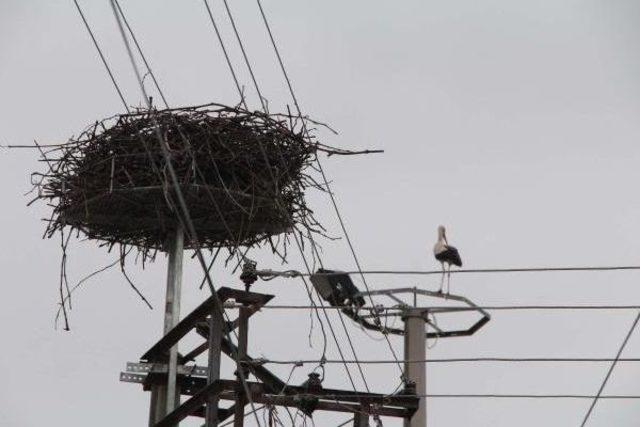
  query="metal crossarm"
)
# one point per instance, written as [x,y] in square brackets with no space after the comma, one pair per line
[160,350]
[362,316]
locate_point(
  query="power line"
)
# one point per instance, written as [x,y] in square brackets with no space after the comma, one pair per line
[442,309]
[487,396]
[104,61]
[144,59]
[224,51]
[528,396]
[235,79]
[477,270]
[610,371]
[598,396]
[325,181]
[353,350]
[246,58]
[456,360]
[264,107]
[185,217]
[344,326]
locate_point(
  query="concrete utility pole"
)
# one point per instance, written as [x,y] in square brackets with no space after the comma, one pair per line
[415,348]
[165,398]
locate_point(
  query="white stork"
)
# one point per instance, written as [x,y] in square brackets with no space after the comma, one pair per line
[446,254]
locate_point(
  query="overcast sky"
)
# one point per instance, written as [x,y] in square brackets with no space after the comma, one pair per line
[513,123]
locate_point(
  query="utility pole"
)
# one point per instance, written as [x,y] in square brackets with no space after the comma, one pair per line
[166,397]
[415,348]
[205,387]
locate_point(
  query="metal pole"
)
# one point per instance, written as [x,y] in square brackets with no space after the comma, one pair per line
[415,348]
[361,419]
[243,326]
[172,313]
[165,398]
[216,325]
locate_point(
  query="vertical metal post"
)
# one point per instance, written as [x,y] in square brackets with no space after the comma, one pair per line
[216,325]
[165,398]
[415,348]
[361,419]
[243,333]
[153,404]
[172,313]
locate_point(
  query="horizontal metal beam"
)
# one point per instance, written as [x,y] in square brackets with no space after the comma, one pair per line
[324,405]
[335,400]
[329,399]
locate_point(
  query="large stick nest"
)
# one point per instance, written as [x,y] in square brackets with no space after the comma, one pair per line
[242,175]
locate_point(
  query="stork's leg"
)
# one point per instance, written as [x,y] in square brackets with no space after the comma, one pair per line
[441,278]
[448,279]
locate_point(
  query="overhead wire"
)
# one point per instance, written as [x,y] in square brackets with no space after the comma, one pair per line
[343,226]
[325,181]
[184,216]
[142,55]
[161,92]
[265,109]
[246,58]
[344,326]
[493,359]
[243,102]
[441,309]
[523,396]
[104,61]
[298,244]
[477,270]
[224,51]
[353,350]
[262,100]
[610,370]
[126,107]
[299,111]
[360,271]
[337,397]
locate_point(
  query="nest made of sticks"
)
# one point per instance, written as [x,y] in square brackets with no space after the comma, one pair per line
[241,173]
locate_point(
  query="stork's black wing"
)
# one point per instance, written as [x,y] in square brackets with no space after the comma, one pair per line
[450,256]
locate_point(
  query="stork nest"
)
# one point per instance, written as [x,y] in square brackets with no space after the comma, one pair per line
[241,174]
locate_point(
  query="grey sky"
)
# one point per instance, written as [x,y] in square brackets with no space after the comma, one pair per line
[513,123]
